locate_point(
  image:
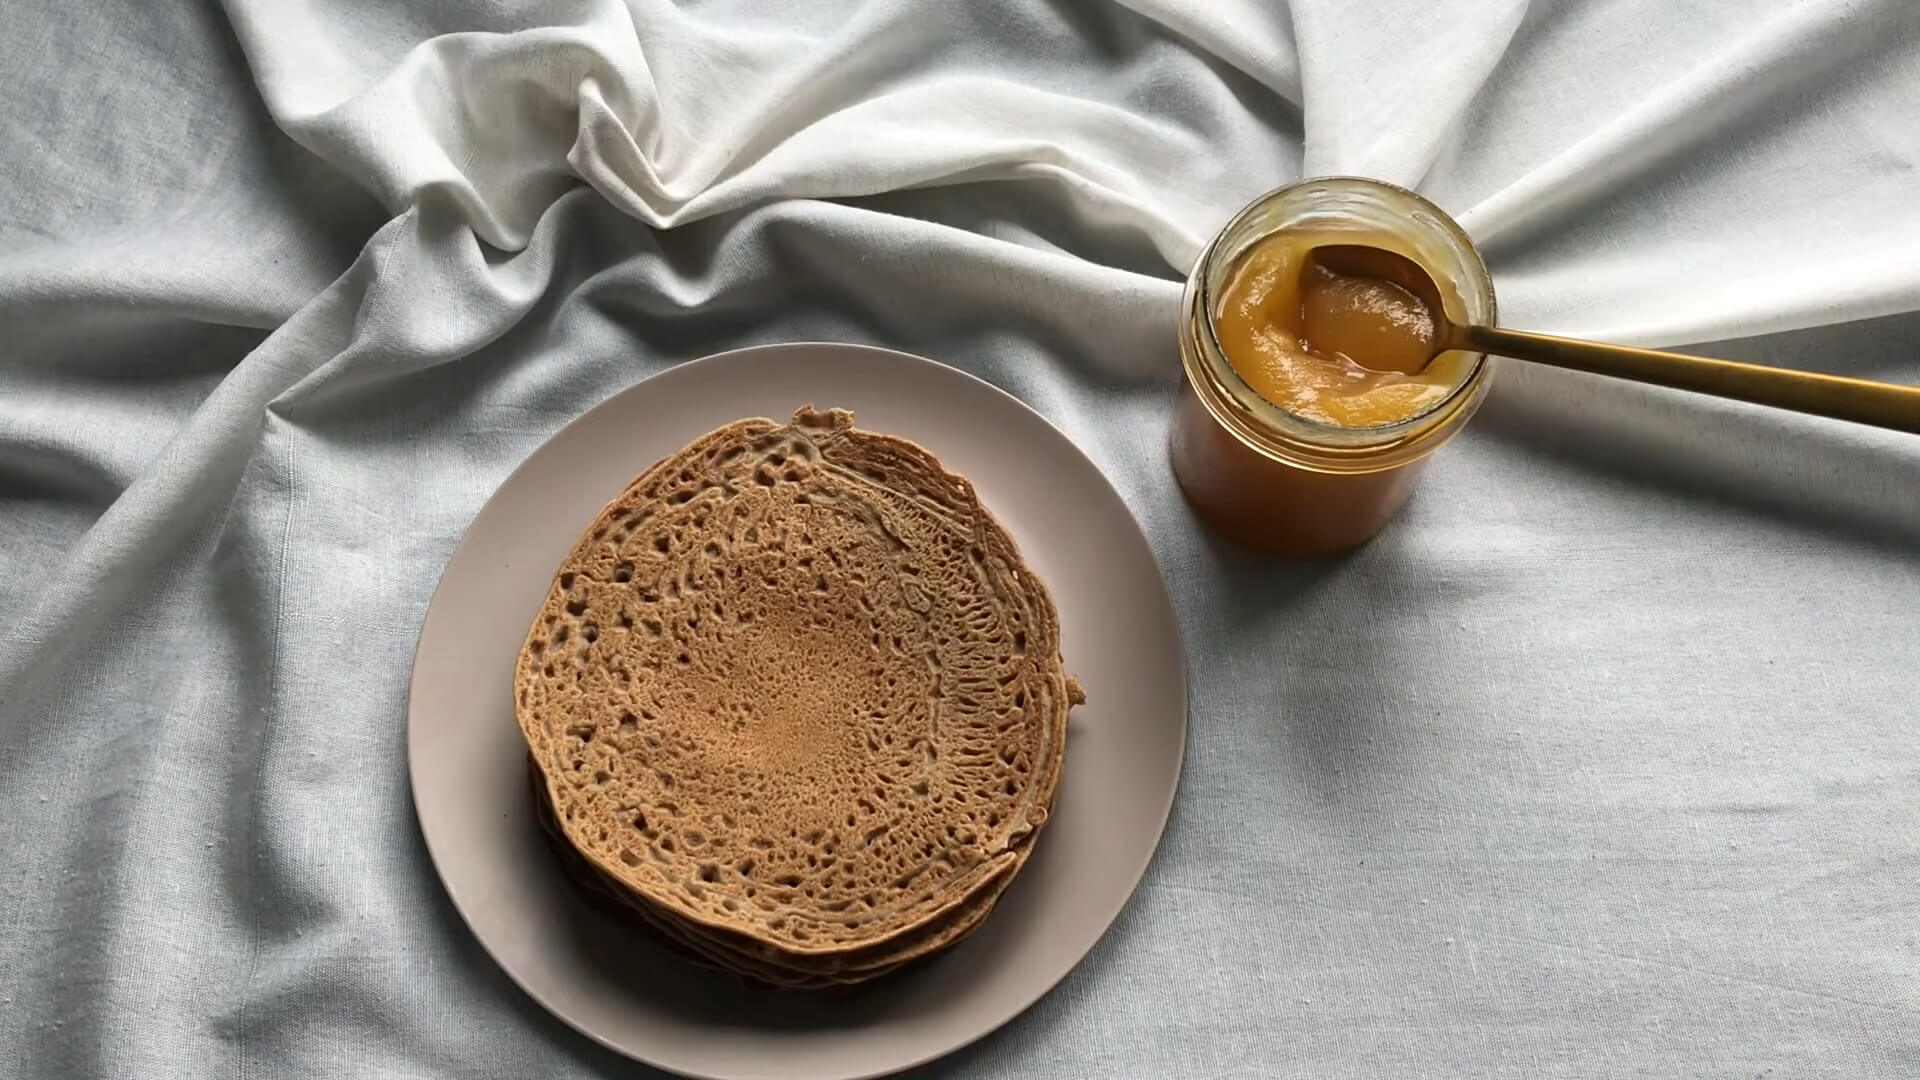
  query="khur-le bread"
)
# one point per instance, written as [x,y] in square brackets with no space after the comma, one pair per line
[797,699]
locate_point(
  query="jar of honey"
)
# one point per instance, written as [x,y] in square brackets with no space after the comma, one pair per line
[1306,447]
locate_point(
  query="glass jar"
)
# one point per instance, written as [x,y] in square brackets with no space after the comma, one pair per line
[1275,481]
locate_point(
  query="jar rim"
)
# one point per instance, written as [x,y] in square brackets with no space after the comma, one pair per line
[1346,445]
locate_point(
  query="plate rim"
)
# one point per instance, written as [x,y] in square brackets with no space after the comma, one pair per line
[1020,1003]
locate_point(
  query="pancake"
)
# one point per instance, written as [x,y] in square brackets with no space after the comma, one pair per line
[795,696]
[756,963]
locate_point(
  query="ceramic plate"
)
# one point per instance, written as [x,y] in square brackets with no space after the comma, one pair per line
[1124,747]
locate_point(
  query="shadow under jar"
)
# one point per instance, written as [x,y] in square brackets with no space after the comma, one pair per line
[1288,476]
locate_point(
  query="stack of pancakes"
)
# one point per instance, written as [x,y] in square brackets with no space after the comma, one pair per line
[795,704]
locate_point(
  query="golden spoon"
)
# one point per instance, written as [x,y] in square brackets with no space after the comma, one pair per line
[1859,400]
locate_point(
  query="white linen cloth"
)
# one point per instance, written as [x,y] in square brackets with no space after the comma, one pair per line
[1599,762]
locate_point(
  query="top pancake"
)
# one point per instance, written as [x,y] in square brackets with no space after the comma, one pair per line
[795,683]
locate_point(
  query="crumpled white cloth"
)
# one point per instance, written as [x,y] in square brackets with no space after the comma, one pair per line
[1598,763]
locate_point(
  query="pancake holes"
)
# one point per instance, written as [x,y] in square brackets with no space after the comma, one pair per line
[549,671]
[681,498]
[765,477]
[696,838]
[640,823]
[684,660]
[1020,700]
[1012,787]
[921,788]
[577,606]
[653,626]
[1020,641]
[566,580]
[590,632]
[730,903]
[663,543]
[560,635]
[537,646]
[709,873]
[583,732]
[712,549]
[1008,754]
[623,573]
[601,777]
[745,867]
[627,856]
[820,584]
[993,819]
[788,881]
[626,620]
[814,837]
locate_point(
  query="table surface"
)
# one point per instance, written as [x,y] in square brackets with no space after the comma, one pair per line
[1597,763]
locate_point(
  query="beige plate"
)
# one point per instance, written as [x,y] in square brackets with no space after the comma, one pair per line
[1124,747]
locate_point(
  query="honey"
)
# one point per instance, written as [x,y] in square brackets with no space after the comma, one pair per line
[1337,350]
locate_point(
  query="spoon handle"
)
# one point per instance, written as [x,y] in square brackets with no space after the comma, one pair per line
[1862,401]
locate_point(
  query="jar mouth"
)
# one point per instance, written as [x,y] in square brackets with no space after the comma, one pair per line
[1341,440]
